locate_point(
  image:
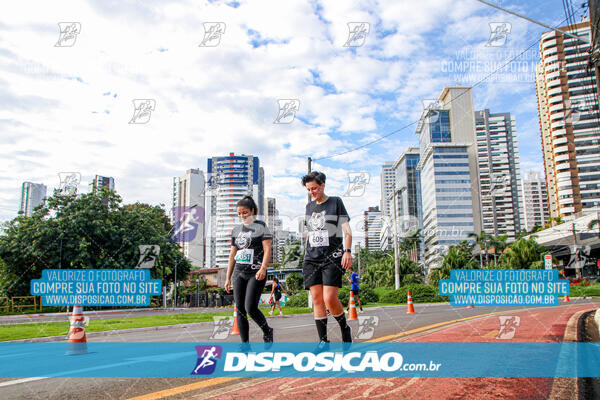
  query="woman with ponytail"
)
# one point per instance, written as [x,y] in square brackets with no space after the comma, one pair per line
[247,269]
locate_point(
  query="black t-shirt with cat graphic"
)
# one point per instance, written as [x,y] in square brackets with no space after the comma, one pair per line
[248,240]
[325,235]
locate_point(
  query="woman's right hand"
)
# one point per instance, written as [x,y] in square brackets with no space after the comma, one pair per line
[228,285]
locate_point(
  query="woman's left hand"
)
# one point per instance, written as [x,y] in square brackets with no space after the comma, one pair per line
[346,260]
[261,274]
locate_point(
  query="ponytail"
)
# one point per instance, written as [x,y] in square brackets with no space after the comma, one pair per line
[248,202]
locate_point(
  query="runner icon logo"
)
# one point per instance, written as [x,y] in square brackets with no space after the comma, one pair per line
[366,326]
[508,326]
[499,32]
[68,33]
[223,326]
[287,111]
[212,34]
[207,359]
[357,33]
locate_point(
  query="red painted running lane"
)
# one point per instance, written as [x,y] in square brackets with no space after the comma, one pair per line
[535,325]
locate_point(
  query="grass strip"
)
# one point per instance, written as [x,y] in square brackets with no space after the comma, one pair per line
[28,331]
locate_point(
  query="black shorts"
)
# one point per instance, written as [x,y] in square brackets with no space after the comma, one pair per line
[354,292]
[328,273]
[277,297]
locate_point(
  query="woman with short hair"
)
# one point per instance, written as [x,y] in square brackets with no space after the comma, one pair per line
[327,254]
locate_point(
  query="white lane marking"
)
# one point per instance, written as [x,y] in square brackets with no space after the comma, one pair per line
[295,326]
[24,380]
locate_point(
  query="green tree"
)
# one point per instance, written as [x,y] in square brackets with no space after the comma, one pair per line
[499,244]
[523,254]
[593,224]
[291,254]
[294,282]
[553,221]
[484,241]
[458,257]
[86,231]
[410,244]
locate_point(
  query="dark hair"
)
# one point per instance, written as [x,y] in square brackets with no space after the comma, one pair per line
[315,176]
[248,202]
[275,279]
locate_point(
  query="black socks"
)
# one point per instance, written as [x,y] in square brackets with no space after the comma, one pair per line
[341,319]
[322,328]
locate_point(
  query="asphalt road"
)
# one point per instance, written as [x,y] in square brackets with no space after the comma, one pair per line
[392,321]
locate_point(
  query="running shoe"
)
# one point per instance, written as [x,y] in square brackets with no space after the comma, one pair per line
[321,347]
[280,313]
[268,336]
[271,312]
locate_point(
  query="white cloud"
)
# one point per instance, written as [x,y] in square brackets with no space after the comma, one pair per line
[217,100]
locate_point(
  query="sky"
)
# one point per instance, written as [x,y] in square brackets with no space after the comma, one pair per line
[67,104]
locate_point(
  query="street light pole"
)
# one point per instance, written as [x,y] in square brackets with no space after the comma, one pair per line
[396,266]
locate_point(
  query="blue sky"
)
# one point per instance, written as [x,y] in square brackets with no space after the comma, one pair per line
[68,108]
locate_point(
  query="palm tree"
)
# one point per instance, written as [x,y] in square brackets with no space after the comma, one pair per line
[593,223]
[500,244]
[291,253]
[483,240]
[553,221]
[524,253]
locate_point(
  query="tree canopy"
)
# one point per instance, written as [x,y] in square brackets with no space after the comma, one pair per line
[92,230]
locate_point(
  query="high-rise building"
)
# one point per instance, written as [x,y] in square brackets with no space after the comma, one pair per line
[230,178]
[408,185]
[449,172]
[271,217]
[409,208]
[372,228]
[499,173]
[535,200]
[569,122]
[284,238]
[387,188]
[188,215]
[102,181]
[32,195]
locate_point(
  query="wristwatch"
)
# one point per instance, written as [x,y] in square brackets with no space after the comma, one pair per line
[348,251]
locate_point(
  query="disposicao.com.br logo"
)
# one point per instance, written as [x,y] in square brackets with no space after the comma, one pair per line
[282,360]
[323,362]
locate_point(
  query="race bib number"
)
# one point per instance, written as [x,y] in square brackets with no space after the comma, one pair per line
[244,256]
[318,238]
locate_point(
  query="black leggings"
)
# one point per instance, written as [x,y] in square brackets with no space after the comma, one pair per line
[246,293]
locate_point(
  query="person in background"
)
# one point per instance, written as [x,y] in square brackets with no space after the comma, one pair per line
[276,289]
[353,279]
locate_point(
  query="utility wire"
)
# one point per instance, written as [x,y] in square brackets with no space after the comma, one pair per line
[450,102]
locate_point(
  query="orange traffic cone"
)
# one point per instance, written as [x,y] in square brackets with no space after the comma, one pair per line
[77,342]
[352,308]
[567,299]
[235,330]
[410,309]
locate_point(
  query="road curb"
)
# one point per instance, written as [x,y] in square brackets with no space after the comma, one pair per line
[106,333]
[569,388]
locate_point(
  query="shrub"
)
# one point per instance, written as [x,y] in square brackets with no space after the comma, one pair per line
[367,295]
[420,294]
[294,282]
[298,300]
